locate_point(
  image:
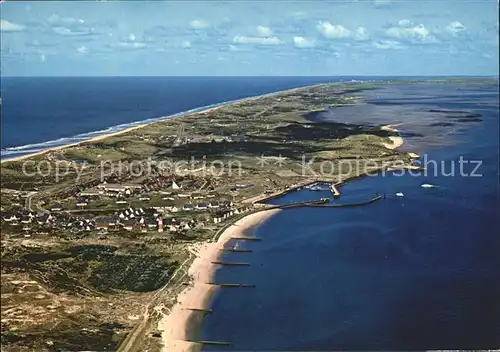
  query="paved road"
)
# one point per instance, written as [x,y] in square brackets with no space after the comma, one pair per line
[27,203]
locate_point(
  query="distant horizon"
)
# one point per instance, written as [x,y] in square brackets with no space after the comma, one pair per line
[238,38]
[263,76]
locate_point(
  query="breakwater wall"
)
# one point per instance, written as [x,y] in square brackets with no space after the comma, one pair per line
[374,199]
[299,204]
[284,206]
[286,191]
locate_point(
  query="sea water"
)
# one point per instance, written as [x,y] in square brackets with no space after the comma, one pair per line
[415,272]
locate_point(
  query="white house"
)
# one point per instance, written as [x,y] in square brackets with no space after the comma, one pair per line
[202,206]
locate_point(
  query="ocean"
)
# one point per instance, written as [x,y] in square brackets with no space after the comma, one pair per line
[43,112]
[416,272]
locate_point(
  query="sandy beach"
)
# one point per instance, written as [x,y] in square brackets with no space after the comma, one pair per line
[126,130]
[175,326]
[397,141]
[99,138]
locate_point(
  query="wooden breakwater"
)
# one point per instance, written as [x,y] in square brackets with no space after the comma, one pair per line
[374,199]
[235,250]
[230,285]
[242,238]
[209,342]
[283,206]
[230,263]
[202,310]
[300,204]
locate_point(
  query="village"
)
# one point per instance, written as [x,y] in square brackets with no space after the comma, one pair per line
[126,207]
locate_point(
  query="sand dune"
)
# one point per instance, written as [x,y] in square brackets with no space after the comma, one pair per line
[397,141]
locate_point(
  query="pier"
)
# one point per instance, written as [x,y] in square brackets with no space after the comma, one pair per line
[300,204]
[231,285]
[247,238]
[335,190]
[231,263]
[199,310]
[267,197]
[208,342]
[374,199]
[235,250]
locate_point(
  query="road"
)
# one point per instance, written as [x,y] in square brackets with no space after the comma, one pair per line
[133,340]
[27,203]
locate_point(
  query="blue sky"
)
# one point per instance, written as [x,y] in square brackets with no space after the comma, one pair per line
[192,38]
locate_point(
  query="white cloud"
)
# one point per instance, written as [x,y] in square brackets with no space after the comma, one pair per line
[361,34]
[263,31]
[298,15]
[6,26]
[336,31]
[455,27]
[333,31]
[69,32]
[55,19]
[382,3]
[241,39]
[199,24]
[186,44]
[405,23]
[43,58]
[411,32]
[131,37]
[302,43]
[82,49]
[387,44]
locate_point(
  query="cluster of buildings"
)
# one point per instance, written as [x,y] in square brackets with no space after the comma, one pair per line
[192,207]
[47,221]
[140,219]
[143,220]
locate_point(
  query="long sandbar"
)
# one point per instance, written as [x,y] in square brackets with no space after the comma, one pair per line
[177,326]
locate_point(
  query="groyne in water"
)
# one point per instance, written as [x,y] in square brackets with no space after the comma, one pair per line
[374,199]
[230,263]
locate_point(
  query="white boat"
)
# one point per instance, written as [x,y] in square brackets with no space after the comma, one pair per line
[400,194]
[318,187]
[426,185]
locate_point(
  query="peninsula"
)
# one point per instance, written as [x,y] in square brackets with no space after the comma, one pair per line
[121,218]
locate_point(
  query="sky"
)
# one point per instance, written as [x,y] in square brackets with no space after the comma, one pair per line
[249,38]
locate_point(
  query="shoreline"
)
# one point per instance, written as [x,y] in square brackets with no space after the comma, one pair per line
[397,141]
[159,119]
[178,325]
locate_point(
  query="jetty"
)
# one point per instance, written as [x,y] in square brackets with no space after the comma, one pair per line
[267,197]
[209,342]
[374,199]
[235,250]
[230,285]
[335,190]
[246,238]
[203,310]
[300,204]
[231,263]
